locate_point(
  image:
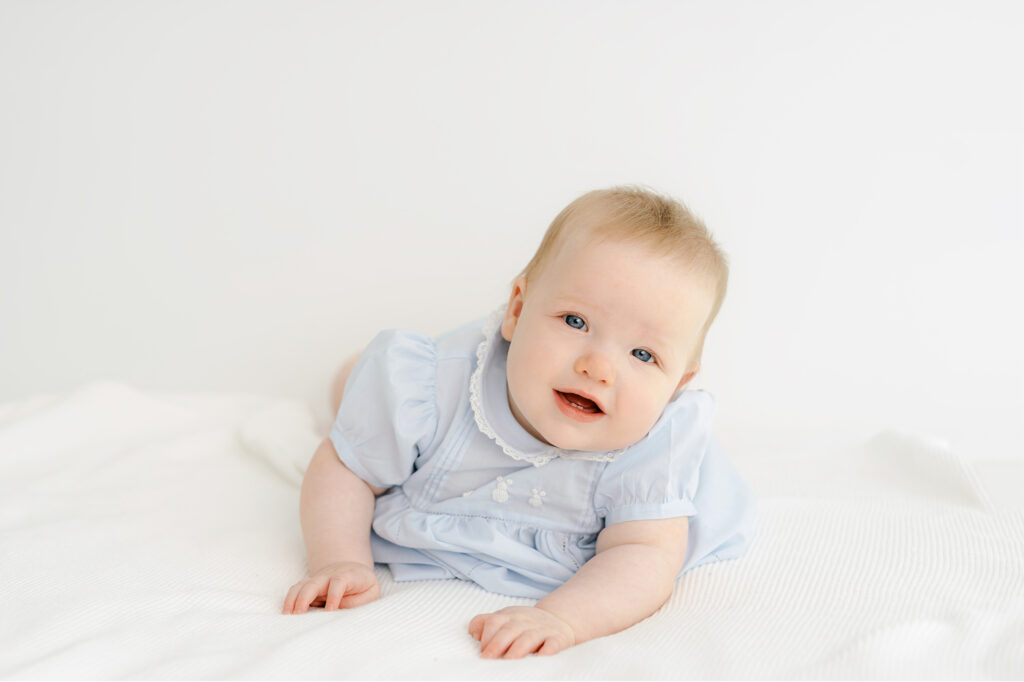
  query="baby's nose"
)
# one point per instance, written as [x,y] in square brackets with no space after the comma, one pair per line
[596,366]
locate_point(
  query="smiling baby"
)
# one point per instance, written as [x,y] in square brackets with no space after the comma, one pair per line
[551,450]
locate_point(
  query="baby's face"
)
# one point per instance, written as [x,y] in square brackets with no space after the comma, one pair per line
[600,342]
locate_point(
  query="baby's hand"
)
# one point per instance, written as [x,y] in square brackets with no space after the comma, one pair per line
[516,631]
[341,585]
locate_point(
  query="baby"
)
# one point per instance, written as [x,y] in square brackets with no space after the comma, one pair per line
[548,452]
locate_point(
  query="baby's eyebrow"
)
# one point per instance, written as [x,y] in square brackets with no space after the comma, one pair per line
[571,301]
[660,345]
[664,345]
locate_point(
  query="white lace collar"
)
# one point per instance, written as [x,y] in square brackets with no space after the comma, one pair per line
[488,396]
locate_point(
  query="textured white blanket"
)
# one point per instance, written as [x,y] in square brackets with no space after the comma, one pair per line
[154,536]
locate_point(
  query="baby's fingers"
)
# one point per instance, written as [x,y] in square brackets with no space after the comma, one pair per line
[489,626]
[353,599]
[289,599]
[476,626]
[335,593]
[553,644]
[499,643]
[526,643]
[308,592]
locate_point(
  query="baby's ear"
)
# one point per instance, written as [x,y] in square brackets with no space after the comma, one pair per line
[514,309]
[690,373]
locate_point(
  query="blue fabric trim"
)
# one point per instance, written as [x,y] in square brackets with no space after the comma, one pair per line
[650,512]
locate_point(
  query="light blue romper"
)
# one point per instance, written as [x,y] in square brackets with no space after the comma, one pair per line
[474,496]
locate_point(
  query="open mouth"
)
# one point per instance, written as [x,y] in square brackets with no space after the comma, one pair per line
[579,402]
[578,407]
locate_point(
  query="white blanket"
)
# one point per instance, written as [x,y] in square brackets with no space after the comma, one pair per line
[145,535]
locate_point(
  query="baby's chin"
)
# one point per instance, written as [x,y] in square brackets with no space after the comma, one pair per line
[582,444]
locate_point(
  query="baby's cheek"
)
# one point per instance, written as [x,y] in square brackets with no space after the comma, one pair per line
[648,412]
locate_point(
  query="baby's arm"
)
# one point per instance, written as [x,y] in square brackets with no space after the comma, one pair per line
[336,508]
[628,579]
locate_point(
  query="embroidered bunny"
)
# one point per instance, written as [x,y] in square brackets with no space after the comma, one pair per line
[535,497]
[500,492]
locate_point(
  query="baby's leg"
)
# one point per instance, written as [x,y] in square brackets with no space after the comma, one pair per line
[338,386]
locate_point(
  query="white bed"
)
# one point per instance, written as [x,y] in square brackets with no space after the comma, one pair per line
[147,535]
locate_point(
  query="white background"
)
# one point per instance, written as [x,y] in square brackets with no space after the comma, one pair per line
[231,196]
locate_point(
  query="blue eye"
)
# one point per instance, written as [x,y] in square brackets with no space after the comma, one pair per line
[642,355]
[575,321]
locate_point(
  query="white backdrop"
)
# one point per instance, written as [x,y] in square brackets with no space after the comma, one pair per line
[230,196]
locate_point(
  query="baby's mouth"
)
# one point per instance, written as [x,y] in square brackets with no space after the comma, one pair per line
[580,403]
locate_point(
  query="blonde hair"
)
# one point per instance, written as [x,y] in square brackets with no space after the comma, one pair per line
[637,214]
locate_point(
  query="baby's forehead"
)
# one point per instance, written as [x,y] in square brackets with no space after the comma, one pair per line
[589,271]
[576,242]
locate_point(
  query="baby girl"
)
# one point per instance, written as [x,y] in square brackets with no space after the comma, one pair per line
[549,451]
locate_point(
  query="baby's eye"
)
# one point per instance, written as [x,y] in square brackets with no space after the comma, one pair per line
[642,355]
[575,321]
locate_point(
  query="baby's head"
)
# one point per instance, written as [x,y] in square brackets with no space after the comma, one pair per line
[607,321]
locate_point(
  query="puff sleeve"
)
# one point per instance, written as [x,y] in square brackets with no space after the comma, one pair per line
[658,477]
[388,415]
